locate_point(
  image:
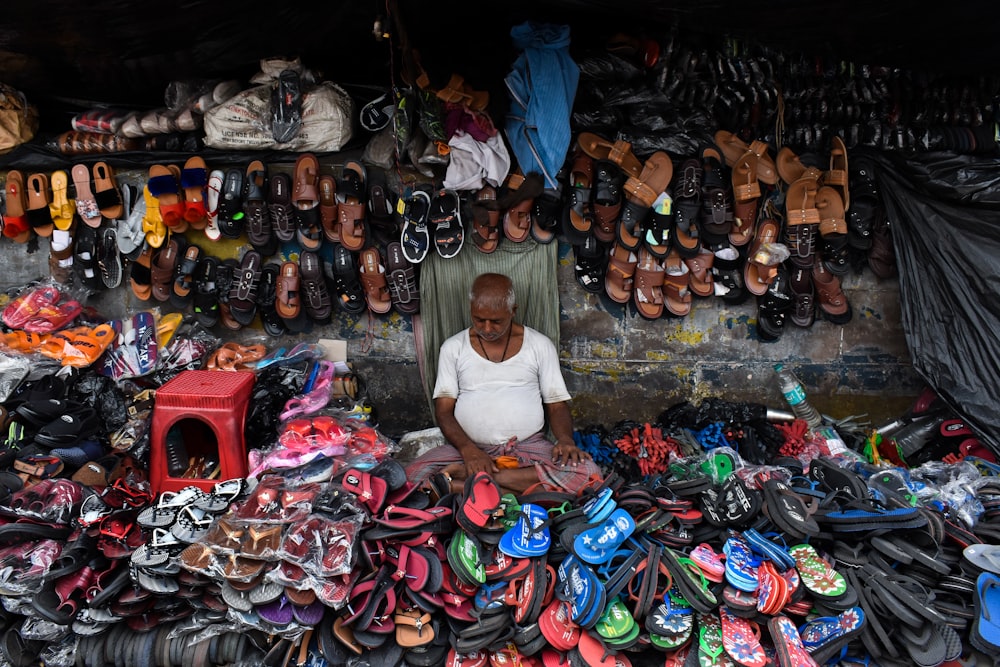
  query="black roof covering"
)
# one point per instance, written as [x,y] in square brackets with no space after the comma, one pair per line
[126,51]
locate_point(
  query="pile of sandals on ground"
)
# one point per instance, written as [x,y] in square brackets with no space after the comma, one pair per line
[726,543]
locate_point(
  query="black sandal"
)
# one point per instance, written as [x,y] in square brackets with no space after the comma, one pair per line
[591,264]
[773,308]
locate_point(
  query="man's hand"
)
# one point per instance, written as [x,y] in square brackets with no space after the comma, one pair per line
[565,453]
[476,460]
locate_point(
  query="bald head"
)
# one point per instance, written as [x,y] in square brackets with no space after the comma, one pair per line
[492,291]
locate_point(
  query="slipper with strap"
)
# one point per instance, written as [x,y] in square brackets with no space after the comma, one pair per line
[415,238]
[15,218]
[163,184]
[329,208]
[61,207]
[106,192]
[373,278]
[486,220]
[152,221]
[194,180]
[86,204]
[352,207]
[213,189]
[39,198]
[140,276]
[641,192]
[985,631]
[446,219]
[130,235]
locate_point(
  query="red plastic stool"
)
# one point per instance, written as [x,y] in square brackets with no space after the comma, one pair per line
[203,412]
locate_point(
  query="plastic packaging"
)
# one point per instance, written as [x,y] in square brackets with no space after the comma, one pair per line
[795,395]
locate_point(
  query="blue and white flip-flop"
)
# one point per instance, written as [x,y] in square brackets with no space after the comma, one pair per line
[530,535]
[598,544]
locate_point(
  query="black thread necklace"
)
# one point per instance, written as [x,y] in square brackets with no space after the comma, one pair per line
[487,354]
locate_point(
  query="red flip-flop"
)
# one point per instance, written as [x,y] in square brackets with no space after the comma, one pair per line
[482,500]
[741,640]
[371,491]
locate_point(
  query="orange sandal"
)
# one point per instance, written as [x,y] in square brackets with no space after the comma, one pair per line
[90,344]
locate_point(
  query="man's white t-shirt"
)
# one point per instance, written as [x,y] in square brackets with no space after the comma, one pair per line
[498,401]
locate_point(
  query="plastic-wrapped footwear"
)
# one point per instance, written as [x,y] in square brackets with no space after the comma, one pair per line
[286,107]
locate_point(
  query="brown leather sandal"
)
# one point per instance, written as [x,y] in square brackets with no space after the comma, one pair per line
[837,176]
[373,279]
[701,281]
[791,168]
[288,304]
[640,194]
[648,291]
[486,220]
[578,211]
[833,303]
[733,148]
[620,277]
[758,273]
[517,200]
[746,195]
[676,285]
[328,209]
[619,152]
[164,266]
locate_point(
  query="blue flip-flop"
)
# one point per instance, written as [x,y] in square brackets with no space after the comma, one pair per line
[598,544]
[985,632]
[530,535]
[596,504]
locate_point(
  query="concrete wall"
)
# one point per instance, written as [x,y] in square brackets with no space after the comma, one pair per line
[618,365]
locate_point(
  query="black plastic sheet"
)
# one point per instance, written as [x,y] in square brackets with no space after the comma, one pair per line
[944,211]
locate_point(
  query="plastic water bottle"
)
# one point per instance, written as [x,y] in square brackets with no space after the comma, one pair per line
[795,395]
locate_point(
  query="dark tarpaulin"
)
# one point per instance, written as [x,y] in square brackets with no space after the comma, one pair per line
[945,215]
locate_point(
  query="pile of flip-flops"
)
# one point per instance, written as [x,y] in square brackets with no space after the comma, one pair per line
[727,562]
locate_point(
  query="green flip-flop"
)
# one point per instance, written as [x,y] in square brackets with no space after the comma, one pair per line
[616,621]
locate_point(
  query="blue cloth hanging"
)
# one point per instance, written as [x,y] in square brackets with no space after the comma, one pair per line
[542,86]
